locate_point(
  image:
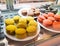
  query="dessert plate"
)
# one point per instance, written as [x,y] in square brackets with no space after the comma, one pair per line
[20,13]
[49,28]
[25,39]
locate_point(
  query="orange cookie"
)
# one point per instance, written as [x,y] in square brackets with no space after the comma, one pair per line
[57,17]
[47,22]
[56,25]
[40,20]
[51,18]
[42,17]
[45,15]
[50,14]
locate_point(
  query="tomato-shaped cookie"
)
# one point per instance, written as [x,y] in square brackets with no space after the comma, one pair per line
[45,15]
[50,14]
[51,18]
[42,17]
[47,22]
[40,20]
[57,17]
[56,25]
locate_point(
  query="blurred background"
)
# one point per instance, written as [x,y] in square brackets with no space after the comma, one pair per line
[23,1]
[4,3]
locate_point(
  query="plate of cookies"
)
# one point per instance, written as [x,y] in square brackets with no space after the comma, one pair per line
[21,28]
[50,22]
[34,12]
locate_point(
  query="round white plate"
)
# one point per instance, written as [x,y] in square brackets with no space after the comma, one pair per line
[25,39]
[52,30]
[19,12]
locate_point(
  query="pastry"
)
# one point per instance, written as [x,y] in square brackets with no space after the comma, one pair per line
[47,22]
[10,29]
[20,33]
[56,25]
[21,25]
[45,15]
[29,18]
[30,13]
[23,20]
[37,12]
[40,20]
[31,30]
[51,18]
[9,21]
[24,12]
[32,23]
[50,14]
[16,19]
[57,17]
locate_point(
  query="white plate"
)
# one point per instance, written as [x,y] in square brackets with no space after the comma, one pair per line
[19,12]
[52,30]
[26,39]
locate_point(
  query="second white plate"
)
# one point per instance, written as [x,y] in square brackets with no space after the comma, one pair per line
[52,30]
[19,12]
